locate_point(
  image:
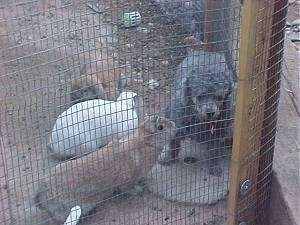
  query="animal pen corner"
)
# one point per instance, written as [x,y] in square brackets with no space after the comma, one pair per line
[261,52]
[129,71]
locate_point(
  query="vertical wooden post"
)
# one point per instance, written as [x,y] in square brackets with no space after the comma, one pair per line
[253,84]
[216,25]
[209,25]
[243,106]
[219,29]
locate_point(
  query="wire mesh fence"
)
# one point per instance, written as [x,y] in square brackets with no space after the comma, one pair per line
[123,111]
[260,72]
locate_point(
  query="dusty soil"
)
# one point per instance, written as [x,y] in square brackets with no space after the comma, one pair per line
[43,46]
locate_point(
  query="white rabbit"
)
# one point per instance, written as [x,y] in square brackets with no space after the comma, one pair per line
[91,124]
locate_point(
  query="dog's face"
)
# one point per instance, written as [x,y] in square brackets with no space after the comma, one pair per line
[206,81]
[207,107]
[208,101]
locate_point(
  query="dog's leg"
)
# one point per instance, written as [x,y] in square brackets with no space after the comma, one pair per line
[215,168]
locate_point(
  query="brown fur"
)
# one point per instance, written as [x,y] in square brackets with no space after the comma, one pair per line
[99,81]
[92,179]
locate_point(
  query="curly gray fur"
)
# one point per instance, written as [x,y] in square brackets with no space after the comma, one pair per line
[203,93]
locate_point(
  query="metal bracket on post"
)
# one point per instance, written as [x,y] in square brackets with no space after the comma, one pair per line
[245,187]
[257,83]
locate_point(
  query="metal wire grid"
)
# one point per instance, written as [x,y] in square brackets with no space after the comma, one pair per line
[47,45]
[264,86]
[271,108]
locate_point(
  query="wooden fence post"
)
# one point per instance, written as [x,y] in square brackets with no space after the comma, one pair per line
[253,108]
[217,26]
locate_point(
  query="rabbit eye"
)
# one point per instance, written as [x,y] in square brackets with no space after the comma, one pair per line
[160,127]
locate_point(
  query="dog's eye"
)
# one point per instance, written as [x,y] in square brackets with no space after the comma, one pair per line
[160,127]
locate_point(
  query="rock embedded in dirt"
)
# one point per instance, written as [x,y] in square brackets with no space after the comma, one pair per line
[191,212]
[143,30]
[153,84]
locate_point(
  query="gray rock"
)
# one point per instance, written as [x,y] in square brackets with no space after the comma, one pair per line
[143,30]
[153,84]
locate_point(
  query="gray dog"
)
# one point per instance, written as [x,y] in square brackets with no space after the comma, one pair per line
[202,104]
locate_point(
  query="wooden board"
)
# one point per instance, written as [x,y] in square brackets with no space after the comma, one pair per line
[250,117]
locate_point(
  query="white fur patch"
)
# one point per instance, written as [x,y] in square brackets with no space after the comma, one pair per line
[88,125]
[74,216]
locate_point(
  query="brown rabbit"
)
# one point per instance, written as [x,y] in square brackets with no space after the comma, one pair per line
[99,81]
[92,179]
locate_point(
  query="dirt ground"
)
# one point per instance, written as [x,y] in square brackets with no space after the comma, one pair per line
[43,45]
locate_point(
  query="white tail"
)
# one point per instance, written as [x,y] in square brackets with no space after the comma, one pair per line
[74,216]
